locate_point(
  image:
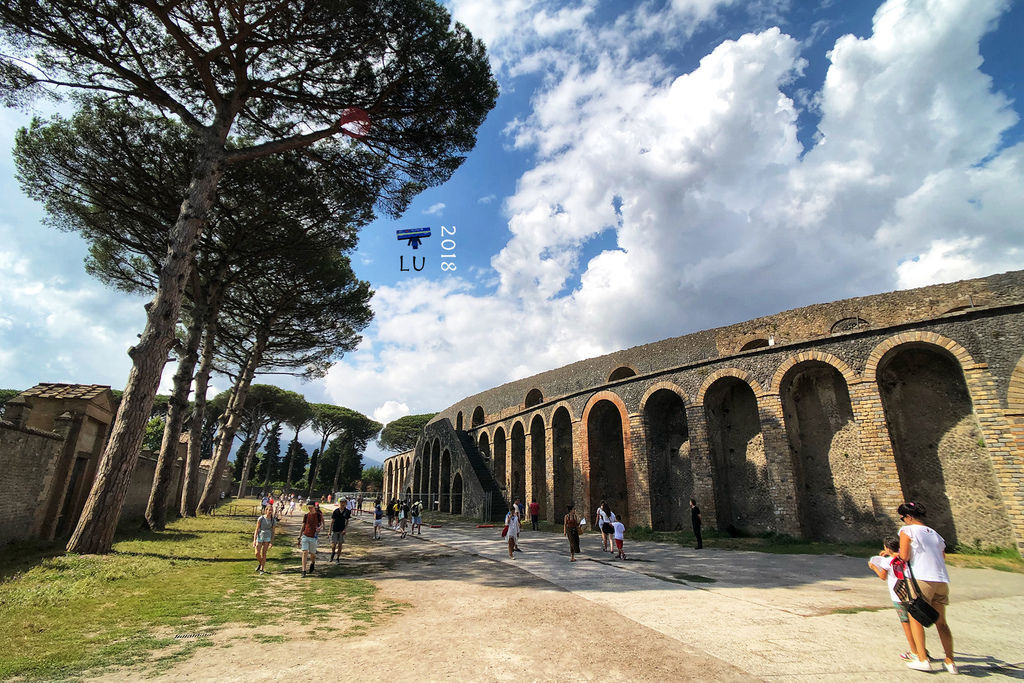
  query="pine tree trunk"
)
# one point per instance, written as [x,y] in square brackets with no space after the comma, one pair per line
[244,479]
[232,418]
[291,460]
[156,510]
[94,532]
[314,472]
[190,490]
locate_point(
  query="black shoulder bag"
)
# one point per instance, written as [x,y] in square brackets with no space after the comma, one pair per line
[919,608]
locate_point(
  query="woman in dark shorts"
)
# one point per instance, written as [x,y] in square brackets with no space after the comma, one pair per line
[571,530]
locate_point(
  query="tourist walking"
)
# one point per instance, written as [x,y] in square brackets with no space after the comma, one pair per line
[311,523]
[417,517]
[403,517]
[339,525]
[605,517]
[695,522]
[535,515]
[886,564]
[263,538]
[512,535]
[378,519]
[925,551]
[619,535]
[571,530]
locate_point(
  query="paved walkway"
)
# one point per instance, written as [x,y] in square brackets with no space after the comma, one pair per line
[774,616]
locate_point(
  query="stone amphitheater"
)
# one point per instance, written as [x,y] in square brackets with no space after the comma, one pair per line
[814,423]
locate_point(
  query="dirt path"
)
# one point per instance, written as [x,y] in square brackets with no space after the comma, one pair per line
[460,617]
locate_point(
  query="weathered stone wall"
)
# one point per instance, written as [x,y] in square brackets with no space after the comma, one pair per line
[789,423]
[28,457]
[141,485]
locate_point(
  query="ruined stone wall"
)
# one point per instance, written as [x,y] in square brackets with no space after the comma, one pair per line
[141,485]
[27,460]
[821,451]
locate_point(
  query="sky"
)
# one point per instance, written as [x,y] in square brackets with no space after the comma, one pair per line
[651,169]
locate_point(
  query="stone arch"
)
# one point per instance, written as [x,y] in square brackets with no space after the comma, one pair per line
[562,460]
[534,397]
[444,494]
[621,372]
[738,461]
[608,458]
[458,422]
[962,356]
[941,458]
[849,376]
[741,375]
[538,464]
[668,449]
[758,343]
[824,442]
[389,481]
[517,468]
[848,325]
[500,447]
[457,494]
[478,417]
[484,444]
[417,479]
[435,471]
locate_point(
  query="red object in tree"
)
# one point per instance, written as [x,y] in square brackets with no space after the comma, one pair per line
[355,122]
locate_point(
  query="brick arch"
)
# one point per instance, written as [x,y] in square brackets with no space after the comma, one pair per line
[658,386]
[962,356]
[553,408]
[805,356]
[638,510]
[728,372]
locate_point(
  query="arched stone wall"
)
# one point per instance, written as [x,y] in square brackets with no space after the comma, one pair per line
[538,460]
[738,457]
[500,447]
[824,440]
[939,447]
[456,506]
[562,461]
[608,456]
[444,492]
[668,448]
[435,471]
[517,464]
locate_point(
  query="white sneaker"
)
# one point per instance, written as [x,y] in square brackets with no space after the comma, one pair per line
[951,667]
[918,665]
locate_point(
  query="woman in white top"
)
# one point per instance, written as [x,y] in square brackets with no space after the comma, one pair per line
[605,518]
[925,550]
[512,520]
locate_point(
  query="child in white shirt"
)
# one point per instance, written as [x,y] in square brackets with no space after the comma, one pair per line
[619,533]
[881,564]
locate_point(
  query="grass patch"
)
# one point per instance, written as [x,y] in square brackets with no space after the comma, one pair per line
[856,610]
[695,578]
[67,614]
[986,557]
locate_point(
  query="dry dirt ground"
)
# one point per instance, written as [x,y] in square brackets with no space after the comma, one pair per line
[450,605]
[459,617]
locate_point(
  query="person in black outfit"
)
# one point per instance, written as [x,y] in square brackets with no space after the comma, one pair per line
[339,524]
[695,520]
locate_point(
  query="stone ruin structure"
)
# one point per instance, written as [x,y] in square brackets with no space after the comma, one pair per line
[815,423]
[51,439]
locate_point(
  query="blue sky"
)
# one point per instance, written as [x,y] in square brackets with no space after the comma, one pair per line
[651,169]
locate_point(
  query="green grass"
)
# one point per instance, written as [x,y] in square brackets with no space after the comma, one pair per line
[67,614]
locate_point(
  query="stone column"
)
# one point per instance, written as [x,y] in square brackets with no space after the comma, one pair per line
[877,454]
[638,473]
[782,478]
[1001,443]
[700,465]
